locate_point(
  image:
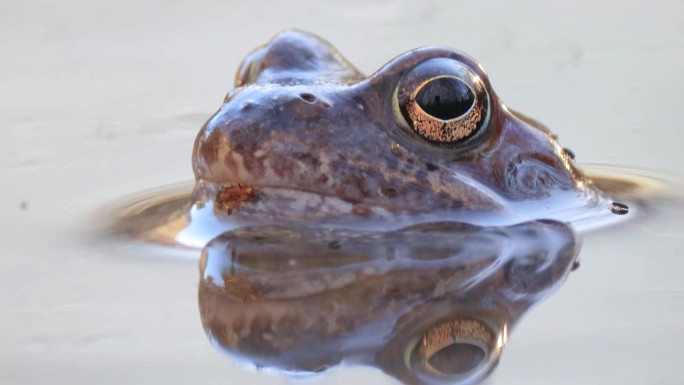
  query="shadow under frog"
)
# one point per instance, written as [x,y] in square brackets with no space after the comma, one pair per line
[427,304]
[404,220]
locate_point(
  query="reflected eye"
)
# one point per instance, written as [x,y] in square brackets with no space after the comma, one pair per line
[443,101]
[459,350]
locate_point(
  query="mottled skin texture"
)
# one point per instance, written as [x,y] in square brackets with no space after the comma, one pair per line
[301,118]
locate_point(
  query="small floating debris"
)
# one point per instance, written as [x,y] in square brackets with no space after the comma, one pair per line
[230,198]
[619,208]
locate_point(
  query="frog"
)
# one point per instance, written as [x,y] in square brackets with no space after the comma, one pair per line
[304,136]
[404,220]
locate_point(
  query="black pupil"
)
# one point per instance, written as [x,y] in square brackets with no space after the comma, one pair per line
[457,358]
[445,98]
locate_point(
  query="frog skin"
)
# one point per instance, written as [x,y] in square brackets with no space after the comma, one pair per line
[304,136]
[427,304]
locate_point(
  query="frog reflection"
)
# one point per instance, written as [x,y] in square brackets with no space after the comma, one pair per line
[427,304]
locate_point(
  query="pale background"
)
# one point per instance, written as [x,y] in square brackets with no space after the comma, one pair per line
[100,100]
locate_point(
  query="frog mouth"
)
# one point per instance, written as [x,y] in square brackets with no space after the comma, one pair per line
[279,202]
[259,203]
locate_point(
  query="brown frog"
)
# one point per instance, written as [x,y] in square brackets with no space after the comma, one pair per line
[304,136]
[358,213]
[428,304]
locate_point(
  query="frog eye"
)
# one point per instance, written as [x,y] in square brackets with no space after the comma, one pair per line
[443,101]
[457,350]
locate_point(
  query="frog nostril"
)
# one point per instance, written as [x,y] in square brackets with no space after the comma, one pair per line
[307,97]
[246,106]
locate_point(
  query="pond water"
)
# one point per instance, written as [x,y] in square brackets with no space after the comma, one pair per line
[102,101]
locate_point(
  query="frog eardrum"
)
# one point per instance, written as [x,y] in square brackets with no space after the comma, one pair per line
[443,101]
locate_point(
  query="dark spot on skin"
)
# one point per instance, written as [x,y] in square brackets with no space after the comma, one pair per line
[323,179]
[619,208]
[569,153]
[246,106]
[307,97]
[430,166]
[246,136]
[389,192]
[334,245]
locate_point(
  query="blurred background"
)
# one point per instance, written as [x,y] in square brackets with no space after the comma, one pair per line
[101,100]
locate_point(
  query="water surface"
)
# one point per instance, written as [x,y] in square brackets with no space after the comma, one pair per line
[100,101]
